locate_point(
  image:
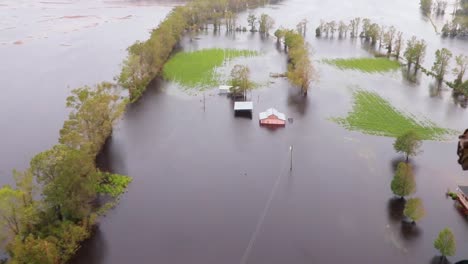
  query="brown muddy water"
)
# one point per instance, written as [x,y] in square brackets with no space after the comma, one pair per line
[212,188]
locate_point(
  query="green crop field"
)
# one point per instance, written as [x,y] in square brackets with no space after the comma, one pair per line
[371,114]
[197,69]
[369,65]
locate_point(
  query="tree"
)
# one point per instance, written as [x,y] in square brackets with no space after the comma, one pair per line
[240,81]
[94,112]
[252,19]
[445,243]
[279,34]
[414,209]
[34,250]
[332,27]
[302,74]
[459,71]
[441,63]
[18,210]
[266,24]
[408,143]
[69,181]
[409,53]
[302,27]
[420,53]
[342,29]
[398,44]
[389,36]
[373,33]
[426,6]
[365,28]
[403,183]
[354,26]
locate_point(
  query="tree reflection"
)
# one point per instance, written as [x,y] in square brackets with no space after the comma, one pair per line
[442,260]
[395,209]
[410,231]
[300,102]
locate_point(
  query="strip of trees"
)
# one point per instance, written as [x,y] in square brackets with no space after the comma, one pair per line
[300,68]
[50,210]
[404,184]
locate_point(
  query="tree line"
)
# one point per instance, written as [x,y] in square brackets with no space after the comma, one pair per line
[300,69]
[404,184]
[391,40]
[51,209]
[458,26]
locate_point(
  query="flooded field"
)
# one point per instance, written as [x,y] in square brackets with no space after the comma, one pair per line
[47,49]
[212,188]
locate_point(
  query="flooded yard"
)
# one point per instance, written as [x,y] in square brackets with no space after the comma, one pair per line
[212,188]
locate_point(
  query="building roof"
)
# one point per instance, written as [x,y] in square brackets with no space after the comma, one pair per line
[272,111]
[464,189]
[243,106]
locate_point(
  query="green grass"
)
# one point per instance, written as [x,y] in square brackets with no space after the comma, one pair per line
[374,115]
[197,69]
[369,65]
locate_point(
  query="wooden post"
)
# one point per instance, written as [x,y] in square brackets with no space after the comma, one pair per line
[204,104]
[291,158]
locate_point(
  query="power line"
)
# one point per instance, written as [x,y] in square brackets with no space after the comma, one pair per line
[261,220]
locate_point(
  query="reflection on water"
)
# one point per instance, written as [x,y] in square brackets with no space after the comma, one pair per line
[395,209]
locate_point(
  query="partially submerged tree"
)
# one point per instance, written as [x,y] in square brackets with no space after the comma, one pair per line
[398,44]
[426,6]
[332,27]
[302,27]
[420,53]
[414,210]
[403,183]
[388,39]
[342,29]
[252,20]
[240,80]
[408,143]
[266,23]
[279,34]
[354,27]
[441,63]
[460,69]
[415,52]
[445,243]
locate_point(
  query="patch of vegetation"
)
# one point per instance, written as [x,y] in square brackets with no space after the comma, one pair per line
[374,115]
[113,184]
[197,69]
[370,65]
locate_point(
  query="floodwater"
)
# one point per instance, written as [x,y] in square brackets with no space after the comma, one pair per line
[47,49]
[212,188]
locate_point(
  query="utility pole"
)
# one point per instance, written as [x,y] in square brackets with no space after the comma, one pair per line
[291,163]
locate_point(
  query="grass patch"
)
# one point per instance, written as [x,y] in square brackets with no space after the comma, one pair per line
[370,65]
[197,69]
[374,115]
